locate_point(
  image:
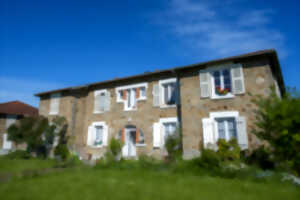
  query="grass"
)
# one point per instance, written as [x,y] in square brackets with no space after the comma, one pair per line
[90,183]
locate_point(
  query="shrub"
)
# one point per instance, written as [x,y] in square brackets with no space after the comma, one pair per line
[278,123]
[229,151]
[262,158]
[62,151]
[115,147]
[174,145]
[19,154]
[209,159]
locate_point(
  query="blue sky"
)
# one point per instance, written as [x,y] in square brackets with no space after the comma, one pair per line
[47,45]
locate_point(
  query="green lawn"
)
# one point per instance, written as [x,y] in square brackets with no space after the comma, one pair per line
[88,183]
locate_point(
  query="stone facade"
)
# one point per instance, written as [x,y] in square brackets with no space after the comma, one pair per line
[77,106]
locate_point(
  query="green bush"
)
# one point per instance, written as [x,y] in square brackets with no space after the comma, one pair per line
[62,151]
[19,154]
[262,158]
[229,151]
[209,159]
[173,145]
[115,147]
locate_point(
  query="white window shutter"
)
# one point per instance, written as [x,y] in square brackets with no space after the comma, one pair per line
[97,107]
[209,140]
[90,137]
[156,135]
[105,135]
[156,98]
[107,101]
[54,103]
[238,85]
[6,143]
[205,84]
[242,132]
[10,119]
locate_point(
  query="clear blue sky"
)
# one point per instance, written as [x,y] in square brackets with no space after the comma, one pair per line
[46,45]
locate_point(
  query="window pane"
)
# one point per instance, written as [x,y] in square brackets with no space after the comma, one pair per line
[121,94]
[142,91]
[128,98]
[227,80]
[216,76]
[221,129]
[172,95]
[98,136]
[166,93]
[232,128]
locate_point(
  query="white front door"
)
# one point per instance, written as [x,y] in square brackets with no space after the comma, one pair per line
[129,148]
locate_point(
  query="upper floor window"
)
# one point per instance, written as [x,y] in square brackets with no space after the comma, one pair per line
[131,94]
[165,93]
[54,103]
[222,82]
[102,101]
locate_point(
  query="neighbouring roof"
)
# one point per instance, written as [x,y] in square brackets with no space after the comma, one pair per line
[18,108]
[271,53]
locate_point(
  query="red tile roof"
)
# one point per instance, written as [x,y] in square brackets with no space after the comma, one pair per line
[18,108]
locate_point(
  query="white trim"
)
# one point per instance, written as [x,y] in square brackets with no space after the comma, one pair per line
[168,119]
[129,87]
[103,125]
[96,92]
[56,96]
[223,114]
[162,121]
[226,114]
[162,93]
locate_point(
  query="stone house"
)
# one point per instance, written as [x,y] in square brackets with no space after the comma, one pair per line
[206,101]
[10,113]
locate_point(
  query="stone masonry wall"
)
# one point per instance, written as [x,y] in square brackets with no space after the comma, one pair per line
[258,79]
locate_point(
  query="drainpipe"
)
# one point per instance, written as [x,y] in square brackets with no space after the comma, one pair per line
[178,105]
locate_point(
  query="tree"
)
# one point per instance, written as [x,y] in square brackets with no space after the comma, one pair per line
[278,123]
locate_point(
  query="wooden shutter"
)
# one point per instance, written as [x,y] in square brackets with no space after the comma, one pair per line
[105,135]
[97,107]
[123,135]
[6,143]
[155,92]
[205,84]
[137,138]
[137,94]
[242,132]
[124,94]
[107,101]
[237,75]
[156,135]
[90,136]
[209,140]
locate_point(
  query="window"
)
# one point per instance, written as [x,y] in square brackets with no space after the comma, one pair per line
[131,94]
[169,93]
[169,129]
[102,101]
[54,104]
[226,128]
[165,95]
[224,125]
[162,130]
[97,134]
[222,81]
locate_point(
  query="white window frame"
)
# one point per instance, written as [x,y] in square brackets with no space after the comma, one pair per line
[96,92]
[102,124]
[221,115]
[163,121]
[214,95]
[131,87]
[162,93]
[52,96]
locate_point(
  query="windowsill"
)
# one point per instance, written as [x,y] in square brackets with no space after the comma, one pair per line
[140,145]
[99,112]
[131,109]
[53,113]
[96,147]
[168,106]
[228,96]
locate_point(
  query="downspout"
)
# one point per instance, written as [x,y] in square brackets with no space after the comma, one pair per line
[178,106]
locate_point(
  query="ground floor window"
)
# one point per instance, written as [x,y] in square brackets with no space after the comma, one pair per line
[169,129]
[97,134]
[226,128]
